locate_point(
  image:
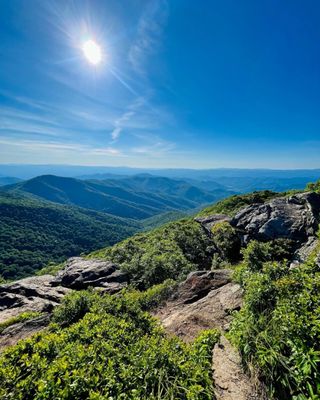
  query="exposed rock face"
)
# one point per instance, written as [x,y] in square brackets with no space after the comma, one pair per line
[201,305]
[43,293]
[199,283]
[29,294]
[206,300]
[209,222]
[295,218]
[80,273]
[302,254]
[22,330]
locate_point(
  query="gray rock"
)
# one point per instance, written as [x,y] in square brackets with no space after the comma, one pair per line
[304,252]
[295,218]
[80,273]
[22,330]
[209,222]
[199,283]
[29,294]
[201,305]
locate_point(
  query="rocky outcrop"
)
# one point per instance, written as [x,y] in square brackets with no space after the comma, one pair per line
[205,300]
[22,330]
[80,273]
[305,251]
[43,293]
[295,218]
[199,283]
[29,294]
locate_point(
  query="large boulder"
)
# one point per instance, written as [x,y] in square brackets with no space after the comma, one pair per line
[29,294]
[199,283]
[80,273]
[43,293]
[295,218]
[205,300]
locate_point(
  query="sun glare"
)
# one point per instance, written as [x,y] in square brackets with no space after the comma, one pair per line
[92,52]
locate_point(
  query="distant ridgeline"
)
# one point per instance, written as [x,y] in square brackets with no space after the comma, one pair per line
[49,218]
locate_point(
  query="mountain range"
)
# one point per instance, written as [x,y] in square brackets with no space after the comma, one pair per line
[50,218]
[136,197]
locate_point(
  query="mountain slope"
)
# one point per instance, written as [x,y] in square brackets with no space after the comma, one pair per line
[34,232]
[136,197]
[8,180]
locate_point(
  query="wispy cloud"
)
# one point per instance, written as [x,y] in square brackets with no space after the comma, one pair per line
[123,120]
[153,146]
[149,34]
[59,146]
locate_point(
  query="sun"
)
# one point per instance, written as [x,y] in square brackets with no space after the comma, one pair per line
[92,52]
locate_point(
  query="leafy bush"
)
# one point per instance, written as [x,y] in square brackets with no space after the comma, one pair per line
[169,252]
[234,203]
[117,351]
[314,187]
[74,307]
[226,240]
[77,304]
[278,329]
[257,253]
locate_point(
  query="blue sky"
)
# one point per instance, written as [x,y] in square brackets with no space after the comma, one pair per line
[182,83]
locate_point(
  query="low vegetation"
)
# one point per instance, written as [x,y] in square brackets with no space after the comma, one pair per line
[234,203]
[169,252]
[314,187]
[278,329]
[108,347]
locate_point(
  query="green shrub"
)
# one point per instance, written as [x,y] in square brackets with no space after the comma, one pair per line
[74,307]
[234,203]
[314,187]
[278,329]
[169,252]
[116,351]
[226,240]
[257,253]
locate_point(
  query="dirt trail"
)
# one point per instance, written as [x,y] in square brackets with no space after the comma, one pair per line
[195,309]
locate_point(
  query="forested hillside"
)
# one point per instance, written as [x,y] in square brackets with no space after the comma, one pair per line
[34,233]
[137,197]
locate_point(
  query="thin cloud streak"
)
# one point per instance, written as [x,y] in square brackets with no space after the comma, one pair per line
[149,34]
[52,146]
[120,123]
